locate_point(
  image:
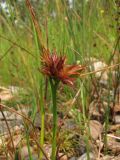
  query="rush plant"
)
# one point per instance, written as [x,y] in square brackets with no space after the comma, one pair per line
[56,69]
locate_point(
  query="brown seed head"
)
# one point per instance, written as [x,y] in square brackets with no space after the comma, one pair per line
[55,67]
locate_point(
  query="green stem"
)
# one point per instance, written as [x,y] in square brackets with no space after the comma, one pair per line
[28,142]
[42,113]
[54,109]
[42,130]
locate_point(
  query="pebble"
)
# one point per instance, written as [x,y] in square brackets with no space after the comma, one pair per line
[84,157]
[117,119]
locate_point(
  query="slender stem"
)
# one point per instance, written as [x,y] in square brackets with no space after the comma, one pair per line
[28,142]
[54,109]
[42,130]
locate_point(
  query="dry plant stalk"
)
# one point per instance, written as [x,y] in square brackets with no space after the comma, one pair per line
[35,21]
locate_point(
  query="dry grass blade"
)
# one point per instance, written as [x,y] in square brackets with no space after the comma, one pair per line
[103,40]
[99,70]
[35,21]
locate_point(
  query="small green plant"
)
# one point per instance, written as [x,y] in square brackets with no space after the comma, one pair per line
[55,68]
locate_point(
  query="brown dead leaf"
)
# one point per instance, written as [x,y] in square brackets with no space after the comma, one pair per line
[117,108]
[95,129]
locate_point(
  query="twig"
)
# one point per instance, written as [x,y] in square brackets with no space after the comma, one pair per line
[112,136]
[99,147]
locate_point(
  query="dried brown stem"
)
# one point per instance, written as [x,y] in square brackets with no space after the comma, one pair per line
[35,21]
